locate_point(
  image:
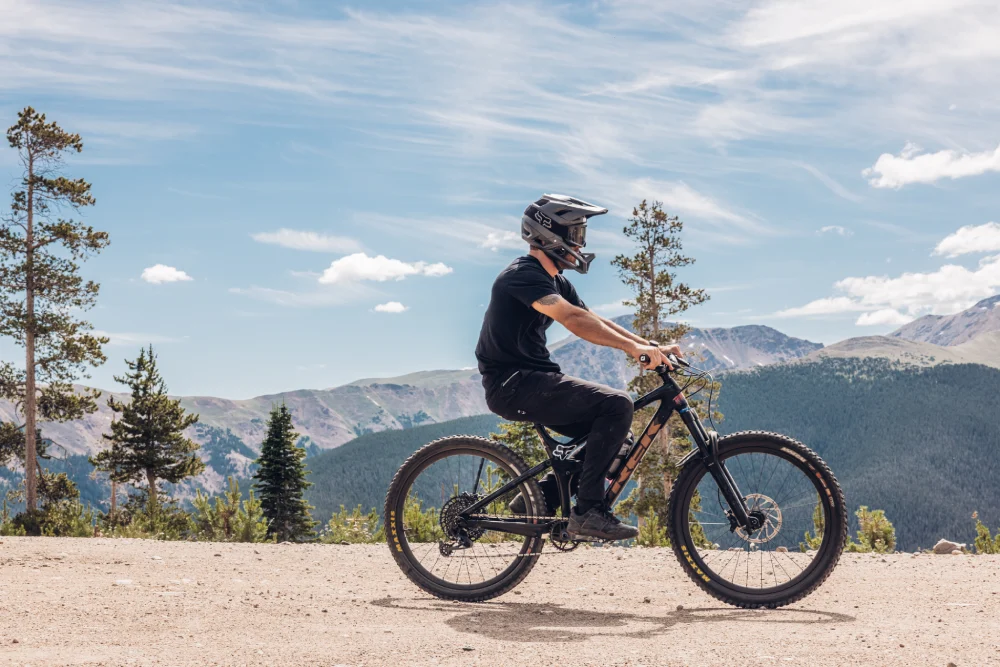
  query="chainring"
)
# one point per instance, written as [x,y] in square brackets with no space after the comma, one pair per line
[560,540]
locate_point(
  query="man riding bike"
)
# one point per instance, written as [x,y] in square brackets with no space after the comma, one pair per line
[522,382]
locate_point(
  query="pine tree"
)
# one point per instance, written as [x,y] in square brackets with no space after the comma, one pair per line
[658,295]
[281,479]
[147,440]
[41,288]
[231,519]
[522,438]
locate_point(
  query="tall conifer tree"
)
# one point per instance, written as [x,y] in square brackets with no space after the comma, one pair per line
[147,440]
[281,479]
[658,295]
[41,289]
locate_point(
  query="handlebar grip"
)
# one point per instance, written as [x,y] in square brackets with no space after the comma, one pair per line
[644,358]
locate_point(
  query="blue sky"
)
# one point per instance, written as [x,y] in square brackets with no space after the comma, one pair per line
[278,178]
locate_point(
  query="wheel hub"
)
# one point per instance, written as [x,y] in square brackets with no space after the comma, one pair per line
[768,516]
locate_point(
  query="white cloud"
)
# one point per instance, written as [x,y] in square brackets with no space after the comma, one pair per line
[359,266]
[305,240]
[835,229]
[496,240]
[161,273]
[943,292]
[391,307]
[825,306]
[970,239]
[895,171]
[883,317]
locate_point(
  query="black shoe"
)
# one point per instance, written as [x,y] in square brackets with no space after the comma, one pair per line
[599,522]
[549,490]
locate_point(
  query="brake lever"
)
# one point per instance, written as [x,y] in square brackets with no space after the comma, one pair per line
[662,368]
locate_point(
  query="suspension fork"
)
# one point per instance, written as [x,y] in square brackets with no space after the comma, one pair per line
[708,444]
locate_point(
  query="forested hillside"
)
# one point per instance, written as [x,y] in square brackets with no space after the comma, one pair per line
[921,443]
[359,472]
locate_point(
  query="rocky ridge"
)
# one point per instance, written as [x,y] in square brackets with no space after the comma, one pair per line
[955,329]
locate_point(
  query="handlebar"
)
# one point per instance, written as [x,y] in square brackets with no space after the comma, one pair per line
[674,361]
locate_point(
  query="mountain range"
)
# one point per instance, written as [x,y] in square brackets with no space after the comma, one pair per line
[231,430]
[954,329]
[714,349]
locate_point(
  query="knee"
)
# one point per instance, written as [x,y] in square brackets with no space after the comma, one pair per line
[619,404]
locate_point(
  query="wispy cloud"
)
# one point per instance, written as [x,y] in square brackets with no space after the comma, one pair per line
[835,187]
[680,198]
[835,229]
[477,84]
[825,306]
[456,236]
[316,298]
[506,239]
[883,317]
[307,240]
[129,339]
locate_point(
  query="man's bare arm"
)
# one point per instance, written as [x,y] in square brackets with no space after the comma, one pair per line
[622,330]
[593,328]
[668,348]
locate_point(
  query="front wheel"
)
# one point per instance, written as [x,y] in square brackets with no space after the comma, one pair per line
[804,522]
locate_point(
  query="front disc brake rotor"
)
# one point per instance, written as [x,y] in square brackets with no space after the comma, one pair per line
[769,514]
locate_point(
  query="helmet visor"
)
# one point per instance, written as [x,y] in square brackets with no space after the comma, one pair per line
[577,235]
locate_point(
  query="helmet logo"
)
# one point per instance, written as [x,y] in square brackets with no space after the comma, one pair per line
[542,218]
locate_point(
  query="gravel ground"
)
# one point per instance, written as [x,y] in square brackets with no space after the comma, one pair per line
[135,602]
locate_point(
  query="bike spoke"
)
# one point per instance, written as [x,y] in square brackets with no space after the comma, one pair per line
[432,530]
[784,496]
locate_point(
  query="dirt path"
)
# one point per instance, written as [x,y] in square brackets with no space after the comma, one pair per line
[133,602]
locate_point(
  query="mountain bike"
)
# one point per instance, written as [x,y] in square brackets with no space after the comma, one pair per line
[756,519]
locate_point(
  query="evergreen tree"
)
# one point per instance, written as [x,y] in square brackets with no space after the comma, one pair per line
[232,519]
[658,295]
[41,289]
[281,479]
[522,438]
[147,440]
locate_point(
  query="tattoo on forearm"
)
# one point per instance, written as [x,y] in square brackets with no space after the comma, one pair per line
[550,300]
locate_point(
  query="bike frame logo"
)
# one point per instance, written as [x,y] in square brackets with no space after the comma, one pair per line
[562,452]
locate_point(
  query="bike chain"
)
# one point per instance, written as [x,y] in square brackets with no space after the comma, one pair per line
[559,550]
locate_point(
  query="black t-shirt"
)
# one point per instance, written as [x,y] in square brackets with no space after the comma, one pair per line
[513,333]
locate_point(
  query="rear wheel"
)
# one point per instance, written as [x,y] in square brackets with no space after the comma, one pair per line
[797,498]
[425,537]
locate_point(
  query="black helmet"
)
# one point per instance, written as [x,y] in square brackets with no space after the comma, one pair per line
[557,225]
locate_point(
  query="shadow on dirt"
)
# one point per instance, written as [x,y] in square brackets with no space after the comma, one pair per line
[528,622]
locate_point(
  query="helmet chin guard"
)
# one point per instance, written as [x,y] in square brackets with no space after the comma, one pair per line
[557,225]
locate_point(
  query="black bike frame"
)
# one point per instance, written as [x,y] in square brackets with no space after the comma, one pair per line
[562,460]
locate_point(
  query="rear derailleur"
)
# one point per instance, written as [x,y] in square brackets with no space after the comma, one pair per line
[453,525]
